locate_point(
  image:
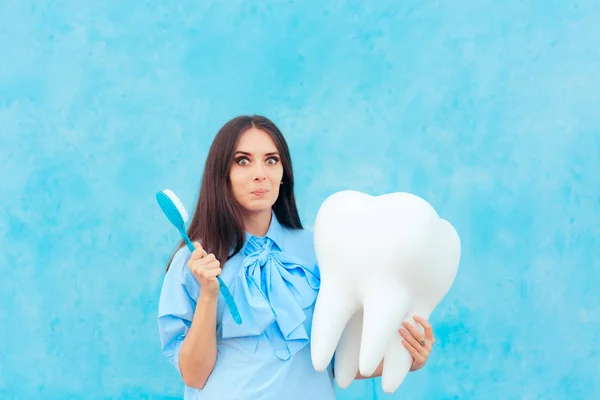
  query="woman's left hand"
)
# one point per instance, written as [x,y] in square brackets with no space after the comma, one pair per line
[417,344]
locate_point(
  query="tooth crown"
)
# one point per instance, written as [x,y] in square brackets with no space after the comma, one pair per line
[381,260]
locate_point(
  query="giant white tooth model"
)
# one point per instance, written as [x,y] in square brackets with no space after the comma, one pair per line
[382,259]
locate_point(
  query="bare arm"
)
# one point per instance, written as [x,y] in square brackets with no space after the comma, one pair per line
[198,352]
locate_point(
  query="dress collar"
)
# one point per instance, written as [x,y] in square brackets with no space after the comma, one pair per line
[275,233]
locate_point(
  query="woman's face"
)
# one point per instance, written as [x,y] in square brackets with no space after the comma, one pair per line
[256,173]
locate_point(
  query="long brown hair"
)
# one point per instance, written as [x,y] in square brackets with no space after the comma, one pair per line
[217,222]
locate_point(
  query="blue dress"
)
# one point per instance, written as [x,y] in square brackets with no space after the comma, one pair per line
[274,280]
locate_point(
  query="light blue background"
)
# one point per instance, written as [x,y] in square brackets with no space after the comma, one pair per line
[489,110]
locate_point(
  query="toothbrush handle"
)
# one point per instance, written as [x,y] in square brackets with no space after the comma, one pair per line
[230,302]
[223,287]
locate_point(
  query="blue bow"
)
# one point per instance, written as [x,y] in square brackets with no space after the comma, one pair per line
[271,291]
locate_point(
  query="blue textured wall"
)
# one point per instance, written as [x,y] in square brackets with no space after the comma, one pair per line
[490,110]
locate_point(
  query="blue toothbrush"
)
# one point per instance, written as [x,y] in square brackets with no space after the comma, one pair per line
[178,216]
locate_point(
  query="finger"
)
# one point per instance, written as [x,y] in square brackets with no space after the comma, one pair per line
[212,265]
[211,275]
[209,258]
[198,253]
[426,325]
[200,257]
[413,352]
[202,263]
[203,272]
[201,269]
[206,259]
[414,342]
[413,330]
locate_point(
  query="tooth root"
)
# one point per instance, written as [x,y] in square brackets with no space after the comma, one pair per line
[333,309]
[396,365]
[384,311]
[347,353]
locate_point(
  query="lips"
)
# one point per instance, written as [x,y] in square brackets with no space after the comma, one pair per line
[260,192]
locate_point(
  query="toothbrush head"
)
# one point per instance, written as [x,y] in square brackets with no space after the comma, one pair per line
[172,207]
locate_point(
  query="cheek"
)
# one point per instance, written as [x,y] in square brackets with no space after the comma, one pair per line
[236,179]
[276,179]
[276,175]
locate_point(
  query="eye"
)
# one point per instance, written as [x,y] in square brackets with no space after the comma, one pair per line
[242,161]
[272,160]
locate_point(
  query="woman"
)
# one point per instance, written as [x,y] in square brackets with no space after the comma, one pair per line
[246,228]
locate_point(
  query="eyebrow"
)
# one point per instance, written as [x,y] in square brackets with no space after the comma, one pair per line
[275,153]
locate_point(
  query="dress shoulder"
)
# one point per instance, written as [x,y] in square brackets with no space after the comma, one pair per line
[300,242]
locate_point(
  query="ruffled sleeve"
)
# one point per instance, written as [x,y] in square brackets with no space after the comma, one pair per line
[176,306]
[272,289]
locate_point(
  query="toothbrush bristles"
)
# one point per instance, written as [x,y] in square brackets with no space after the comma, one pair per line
[178,203]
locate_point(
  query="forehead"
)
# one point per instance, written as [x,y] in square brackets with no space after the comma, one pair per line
[256,141]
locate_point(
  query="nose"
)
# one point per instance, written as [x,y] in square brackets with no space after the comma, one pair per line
[259,173]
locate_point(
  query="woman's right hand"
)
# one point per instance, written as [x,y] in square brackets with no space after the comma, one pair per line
[205,268]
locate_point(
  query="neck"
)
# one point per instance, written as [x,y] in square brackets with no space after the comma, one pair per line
[257,224]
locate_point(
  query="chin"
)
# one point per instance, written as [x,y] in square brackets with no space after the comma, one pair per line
[256,207]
